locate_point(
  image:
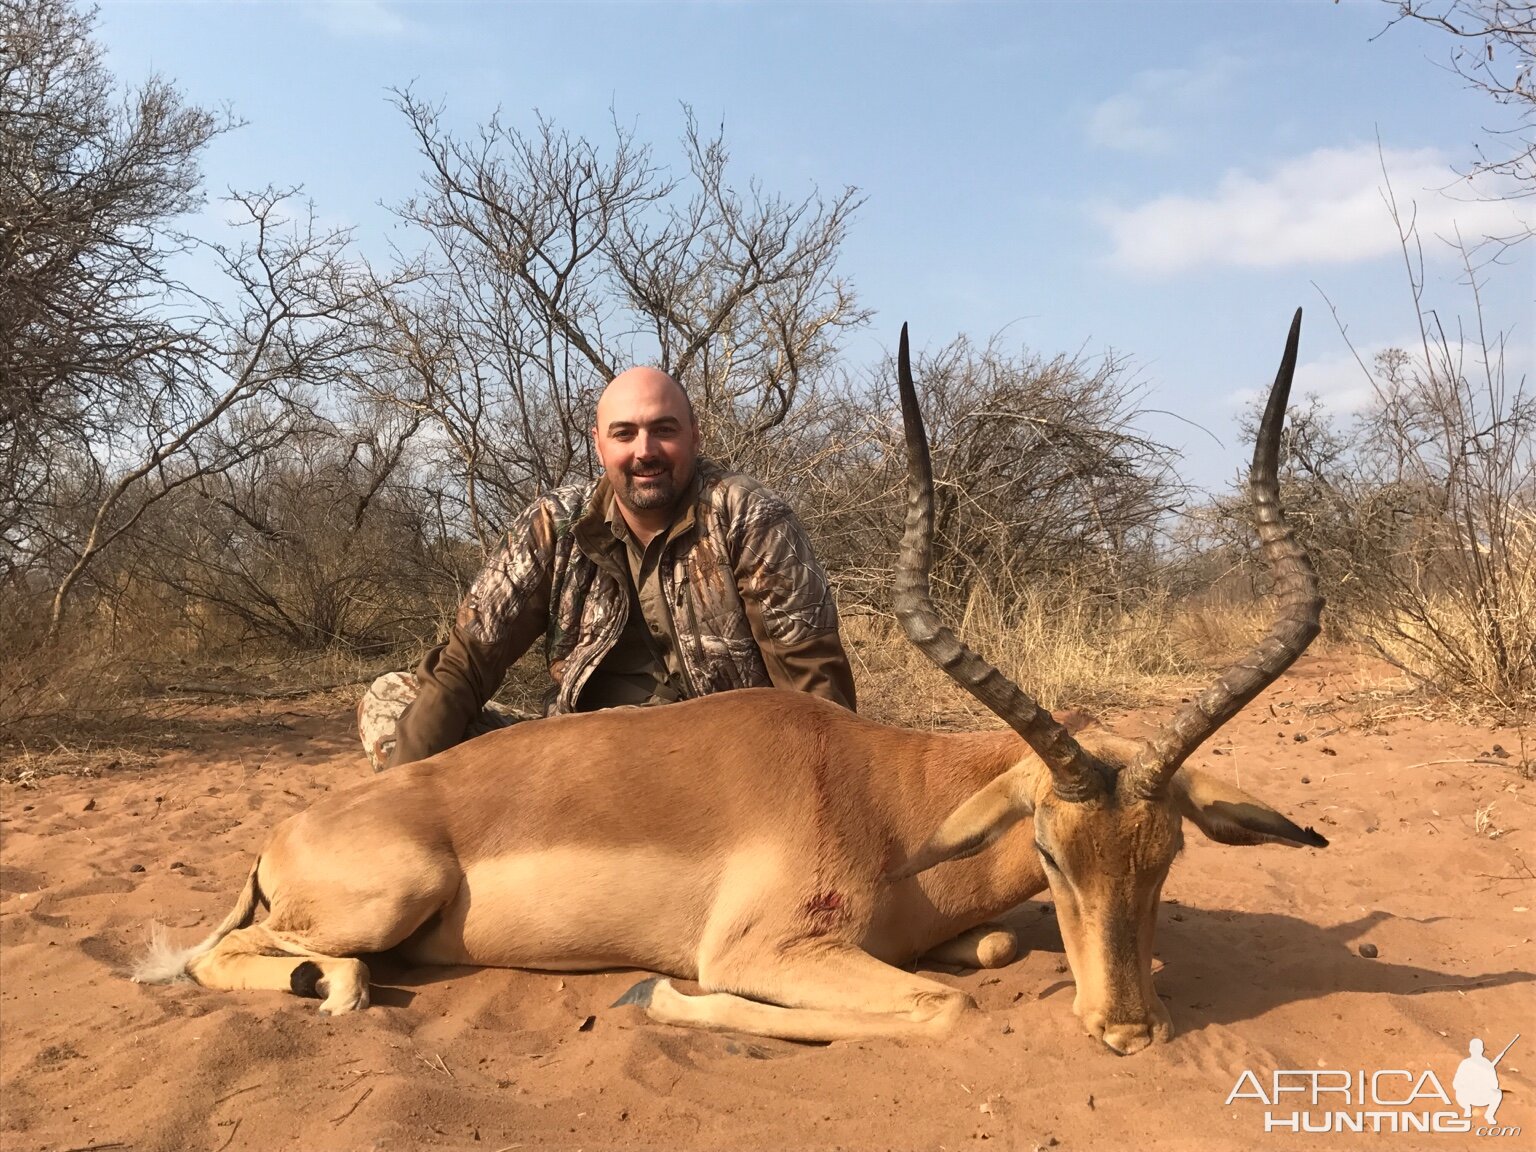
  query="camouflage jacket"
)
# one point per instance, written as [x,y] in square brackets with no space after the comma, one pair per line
[750,605]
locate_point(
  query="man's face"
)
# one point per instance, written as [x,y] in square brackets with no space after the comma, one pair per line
[646,439]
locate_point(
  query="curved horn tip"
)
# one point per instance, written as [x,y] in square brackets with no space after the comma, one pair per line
[1293,338]
[1266,446]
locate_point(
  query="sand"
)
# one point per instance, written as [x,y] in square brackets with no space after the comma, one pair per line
[1259,947]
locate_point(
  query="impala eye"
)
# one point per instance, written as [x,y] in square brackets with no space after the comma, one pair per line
[1050,861]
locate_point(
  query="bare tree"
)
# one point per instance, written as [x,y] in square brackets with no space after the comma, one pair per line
[554,263]
[243,377]
[1492,49]
[90,189]
[321,542]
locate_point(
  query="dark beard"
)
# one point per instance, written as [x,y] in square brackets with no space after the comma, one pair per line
[660,493]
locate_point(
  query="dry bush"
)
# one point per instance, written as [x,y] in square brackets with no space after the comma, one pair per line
[78,680]
[318,544]
[77,705]
[1474,640]
[1039,478]
[93,709]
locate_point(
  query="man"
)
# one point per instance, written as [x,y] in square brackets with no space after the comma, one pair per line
[667,578]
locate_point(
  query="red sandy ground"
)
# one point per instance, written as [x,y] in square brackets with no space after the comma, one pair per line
[1259,947]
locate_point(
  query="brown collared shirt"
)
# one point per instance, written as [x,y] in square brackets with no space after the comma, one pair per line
[643,666]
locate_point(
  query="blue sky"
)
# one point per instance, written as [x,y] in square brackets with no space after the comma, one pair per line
[1164,179]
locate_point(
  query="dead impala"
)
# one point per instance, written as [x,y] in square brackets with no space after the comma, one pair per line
[783,852]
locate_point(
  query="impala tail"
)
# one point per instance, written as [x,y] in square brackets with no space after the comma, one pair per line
[164,963]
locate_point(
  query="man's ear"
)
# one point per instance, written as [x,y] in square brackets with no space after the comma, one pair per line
[1229,815]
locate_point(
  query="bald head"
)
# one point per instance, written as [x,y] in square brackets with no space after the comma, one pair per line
[648,441]
[645,386]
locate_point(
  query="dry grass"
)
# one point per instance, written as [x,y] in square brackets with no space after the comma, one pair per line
[1483,822]
[1060,647]
[24,767]
[86,707]
[90,710]
[1457,654]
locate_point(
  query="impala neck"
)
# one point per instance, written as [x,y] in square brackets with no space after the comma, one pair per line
[953,767]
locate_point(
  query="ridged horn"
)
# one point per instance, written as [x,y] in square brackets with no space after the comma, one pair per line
[1073,775]
[1301,606]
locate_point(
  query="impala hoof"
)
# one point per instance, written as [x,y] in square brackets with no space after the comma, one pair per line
[639,995]
[345,999]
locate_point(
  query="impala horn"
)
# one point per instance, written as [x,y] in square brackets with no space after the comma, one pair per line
[1299,621]
[1074,774]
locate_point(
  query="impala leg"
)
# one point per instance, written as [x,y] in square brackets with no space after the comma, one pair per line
[318,959]
[985,946]
[259,958]
[837,993]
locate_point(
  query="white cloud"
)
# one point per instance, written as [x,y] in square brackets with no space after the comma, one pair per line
[359,18]
[1345,388]
[1140,118]
[1339,381]
[1326,207]
[1336,379]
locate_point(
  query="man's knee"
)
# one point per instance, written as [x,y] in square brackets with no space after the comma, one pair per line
[379,711]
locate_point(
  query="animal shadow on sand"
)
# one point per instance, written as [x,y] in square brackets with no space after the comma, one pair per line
[1220,966]
[1223,966]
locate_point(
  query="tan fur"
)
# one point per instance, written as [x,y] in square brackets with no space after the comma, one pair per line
[743,840]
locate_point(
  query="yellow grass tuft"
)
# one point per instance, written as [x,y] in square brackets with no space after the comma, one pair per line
[1063,647]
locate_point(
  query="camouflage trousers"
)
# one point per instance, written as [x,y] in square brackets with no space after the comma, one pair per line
[388,696]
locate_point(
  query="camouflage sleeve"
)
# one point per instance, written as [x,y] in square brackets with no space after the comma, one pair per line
[789,603]
[506,609]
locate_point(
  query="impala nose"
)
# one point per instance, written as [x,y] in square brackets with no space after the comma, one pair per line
[1127,1038]
[1121,1037]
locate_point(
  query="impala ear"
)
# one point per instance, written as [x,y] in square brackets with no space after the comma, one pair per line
[1229,815]
[976,823]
